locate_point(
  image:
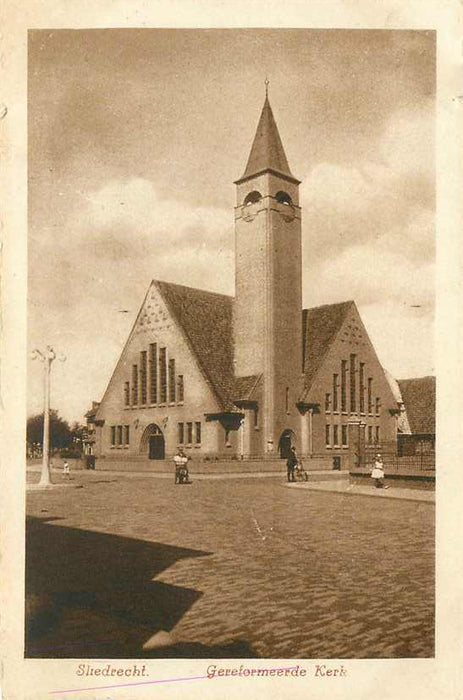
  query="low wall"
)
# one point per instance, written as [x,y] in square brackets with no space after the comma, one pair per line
[411,481]
[277,466]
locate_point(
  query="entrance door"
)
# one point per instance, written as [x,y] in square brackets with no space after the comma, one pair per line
[156,447]
[285,444]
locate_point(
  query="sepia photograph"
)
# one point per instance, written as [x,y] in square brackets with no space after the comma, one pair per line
[231,373]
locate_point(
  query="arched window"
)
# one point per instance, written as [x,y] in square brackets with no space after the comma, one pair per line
[252,197]
[283,198]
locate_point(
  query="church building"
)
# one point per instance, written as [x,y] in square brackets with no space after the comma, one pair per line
[247,376]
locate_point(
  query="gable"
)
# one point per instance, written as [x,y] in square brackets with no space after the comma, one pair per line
[344,334]
[320,326]
[156,323]
[419,398]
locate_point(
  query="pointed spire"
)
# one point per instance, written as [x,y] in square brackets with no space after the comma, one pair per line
[267,152]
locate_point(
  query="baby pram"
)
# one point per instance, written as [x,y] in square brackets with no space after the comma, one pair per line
[300,473]
[182,475]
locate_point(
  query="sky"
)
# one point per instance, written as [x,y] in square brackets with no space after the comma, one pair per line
[135,139]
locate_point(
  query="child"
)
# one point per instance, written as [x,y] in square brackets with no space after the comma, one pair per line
[66,469]
[378,472]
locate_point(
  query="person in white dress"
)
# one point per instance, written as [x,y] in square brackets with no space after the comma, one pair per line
[378,472]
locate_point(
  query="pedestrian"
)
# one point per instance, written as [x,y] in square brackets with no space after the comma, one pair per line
[181,466]
[291,464]
[377,472]
[66,469]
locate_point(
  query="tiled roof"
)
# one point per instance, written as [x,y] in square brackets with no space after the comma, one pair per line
[419,397]
[319,327]
[206,320]
[244,387]
[267,152]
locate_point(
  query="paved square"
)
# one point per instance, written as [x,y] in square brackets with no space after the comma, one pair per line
[229,567]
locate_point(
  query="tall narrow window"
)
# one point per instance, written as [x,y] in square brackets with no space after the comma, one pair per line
[256,417]
[343,386]
[134,385]
[153,373]
[353,403]
[336,435]
[172,381]
[362,387]
[370,433]
[327,402]
[127,434]
[127,394]
[287,399]
[163,375]
[143,377]
[189,433]
[180,388]
[198,433]
[181,433]
[344,435]
[119,434]
[327,435]
[113,435]
[377,405]
[377,433]
[335,392]
[370,394]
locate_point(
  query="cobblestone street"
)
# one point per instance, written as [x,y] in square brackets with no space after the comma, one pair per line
[239,567]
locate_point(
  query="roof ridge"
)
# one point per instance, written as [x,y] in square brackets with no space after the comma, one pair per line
[324,306]
[192,289]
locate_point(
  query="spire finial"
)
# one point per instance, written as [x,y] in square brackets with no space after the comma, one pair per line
[267,83]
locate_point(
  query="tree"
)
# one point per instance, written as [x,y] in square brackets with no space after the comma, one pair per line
[60,433]
[78,433]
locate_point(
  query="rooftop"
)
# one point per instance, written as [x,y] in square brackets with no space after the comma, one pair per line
[419,397]
[267,152]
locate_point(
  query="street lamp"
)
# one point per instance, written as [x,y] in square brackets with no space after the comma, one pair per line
[46,358]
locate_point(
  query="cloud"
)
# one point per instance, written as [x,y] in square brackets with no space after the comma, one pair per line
[134,207]
[369,236]
[368,230]
[117,239]
[346,206]
[408,141]
[369,279]
[402,336]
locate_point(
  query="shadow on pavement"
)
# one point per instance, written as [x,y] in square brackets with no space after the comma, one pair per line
[237,649]
[91,594]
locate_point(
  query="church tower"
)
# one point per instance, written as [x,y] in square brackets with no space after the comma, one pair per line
[268,287]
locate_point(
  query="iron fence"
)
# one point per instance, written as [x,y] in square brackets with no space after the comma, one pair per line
[420,462]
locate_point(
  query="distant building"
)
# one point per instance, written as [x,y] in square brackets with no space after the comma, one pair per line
[419,401]
[89,434]
[252,375]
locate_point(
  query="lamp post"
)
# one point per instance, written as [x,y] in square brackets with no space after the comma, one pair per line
[46,358]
